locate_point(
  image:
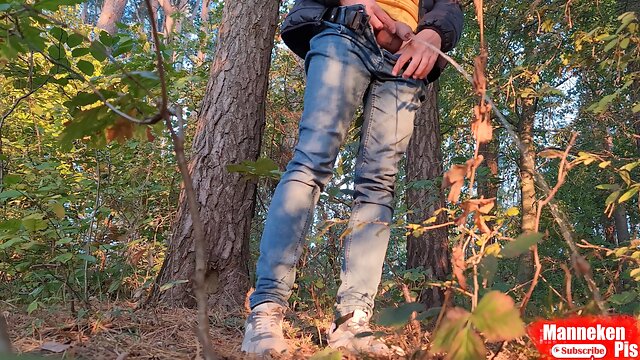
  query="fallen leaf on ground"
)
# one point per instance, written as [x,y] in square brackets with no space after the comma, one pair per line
[55,347]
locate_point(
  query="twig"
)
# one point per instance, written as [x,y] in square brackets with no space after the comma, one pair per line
[563,170]
[565,226]
[198,228]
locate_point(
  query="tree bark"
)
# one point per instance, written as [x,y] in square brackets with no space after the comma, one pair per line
[424,162]
[527,166]
[229,131]
[111,13]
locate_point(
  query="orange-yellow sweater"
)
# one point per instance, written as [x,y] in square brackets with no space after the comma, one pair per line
[402,10]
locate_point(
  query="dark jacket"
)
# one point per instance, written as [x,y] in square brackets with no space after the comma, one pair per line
[443,16]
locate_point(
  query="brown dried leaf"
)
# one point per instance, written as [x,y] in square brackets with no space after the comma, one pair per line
[551,154]
[454,178]
[479,79]
[120,131]
[481,125]
[479,221]
[478,206]
[459,265]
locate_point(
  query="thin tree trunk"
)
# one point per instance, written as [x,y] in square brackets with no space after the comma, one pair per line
[424,162]
[624,6]
[204,21]
[620,212]
[229,131]
[527,166]
[111,13]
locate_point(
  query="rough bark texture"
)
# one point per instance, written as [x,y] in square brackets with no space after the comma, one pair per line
[527,165]
[229,131]
[111,13]
[424,162]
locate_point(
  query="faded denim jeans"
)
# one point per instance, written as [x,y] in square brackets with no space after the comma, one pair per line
[342,68]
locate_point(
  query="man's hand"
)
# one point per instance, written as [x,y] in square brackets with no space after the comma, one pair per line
[393,41]
[421,57]
[378,18]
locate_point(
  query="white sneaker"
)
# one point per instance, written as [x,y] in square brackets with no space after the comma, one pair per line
[263,330]
[352,333]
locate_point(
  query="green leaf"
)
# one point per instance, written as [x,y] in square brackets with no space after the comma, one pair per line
[87,258]
[608,187]
[7,244]
[399,316]
[59,34]
[488,267]
[53,5]
[623,298]
[630,166]
[32,307]
[80,52]
[11,179]
[64,241]
[34,222]
[629,194]
[74,40]
[612,197]
[497,317]
[106,38]
[521,244]
[86,67]
[455,320]
[98,51]
[55,52]
[10,194]
[63,258]
[57,209]
[467,345]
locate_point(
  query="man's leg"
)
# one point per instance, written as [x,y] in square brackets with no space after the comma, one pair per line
[336,82]
[390,109]
[389,112]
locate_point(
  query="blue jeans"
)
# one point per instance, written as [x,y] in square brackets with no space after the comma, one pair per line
[342,67]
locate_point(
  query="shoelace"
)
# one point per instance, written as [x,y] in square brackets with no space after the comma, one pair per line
[267,320]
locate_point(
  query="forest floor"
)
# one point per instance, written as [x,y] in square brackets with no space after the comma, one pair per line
[119,331]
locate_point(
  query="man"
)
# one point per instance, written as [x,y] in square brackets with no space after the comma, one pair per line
[352,50]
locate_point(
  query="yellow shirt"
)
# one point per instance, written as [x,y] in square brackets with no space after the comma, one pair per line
[402,10]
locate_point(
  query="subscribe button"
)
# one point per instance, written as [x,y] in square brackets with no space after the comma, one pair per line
[578,351]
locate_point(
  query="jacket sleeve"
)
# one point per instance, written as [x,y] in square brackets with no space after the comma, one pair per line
[446,18]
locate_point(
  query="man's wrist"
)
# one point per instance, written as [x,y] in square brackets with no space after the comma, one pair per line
[431,36]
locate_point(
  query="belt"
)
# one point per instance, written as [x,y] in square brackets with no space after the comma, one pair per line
[353,19]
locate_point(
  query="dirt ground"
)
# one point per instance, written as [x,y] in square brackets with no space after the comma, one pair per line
[119,331]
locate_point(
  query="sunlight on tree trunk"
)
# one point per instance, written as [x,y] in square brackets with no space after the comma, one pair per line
[229,131]
[424,162]
[111,13]
[527,166]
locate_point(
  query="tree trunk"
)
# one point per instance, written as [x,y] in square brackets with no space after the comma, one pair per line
[624,6]
[620,212]
[111,13]
[424,162]
[204,22]
[527,166]
[229,131]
